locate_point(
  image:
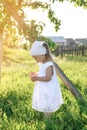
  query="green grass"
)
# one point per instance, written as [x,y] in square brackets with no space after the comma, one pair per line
[16,89]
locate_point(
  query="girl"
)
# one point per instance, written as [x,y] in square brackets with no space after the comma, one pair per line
[47,95]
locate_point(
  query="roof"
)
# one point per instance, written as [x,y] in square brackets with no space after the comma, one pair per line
[81,41]
[57,39]
[70,41]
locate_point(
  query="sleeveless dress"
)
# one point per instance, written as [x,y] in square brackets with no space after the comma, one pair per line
[47,96]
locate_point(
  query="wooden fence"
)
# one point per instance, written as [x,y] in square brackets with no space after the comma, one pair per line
[72,50]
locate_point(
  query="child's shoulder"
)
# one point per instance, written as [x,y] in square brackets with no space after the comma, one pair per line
[48,63]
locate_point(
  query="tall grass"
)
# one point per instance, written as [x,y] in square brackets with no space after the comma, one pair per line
[16,89]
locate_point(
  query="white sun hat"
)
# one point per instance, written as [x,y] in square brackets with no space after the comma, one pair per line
[38,48]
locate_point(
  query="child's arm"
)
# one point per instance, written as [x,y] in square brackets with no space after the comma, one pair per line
[49,73]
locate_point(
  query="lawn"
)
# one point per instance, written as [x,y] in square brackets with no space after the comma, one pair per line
[16,89]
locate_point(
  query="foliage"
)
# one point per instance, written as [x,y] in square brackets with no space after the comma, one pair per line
[16,94]
[82,3]
[53,19]
[33,30]
[52,45]
[13,15]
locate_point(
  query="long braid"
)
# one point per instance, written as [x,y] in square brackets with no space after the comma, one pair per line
[48,52]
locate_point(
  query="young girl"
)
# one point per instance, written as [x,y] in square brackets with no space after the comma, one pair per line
[47,95]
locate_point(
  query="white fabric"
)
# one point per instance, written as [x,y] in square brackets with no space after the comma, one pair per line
[38,48]
[47,96]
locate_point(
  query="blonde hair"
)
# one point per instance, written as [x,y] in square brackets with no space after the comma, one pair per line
[48,55]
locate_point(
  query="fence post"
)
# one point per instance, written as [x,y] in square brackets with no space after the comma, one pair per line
[57,51]
[61,50]
[72,50]
[77,49]
[83,50]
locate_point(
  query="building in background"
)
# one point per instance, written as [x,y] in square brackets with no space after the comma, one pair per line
[60,40]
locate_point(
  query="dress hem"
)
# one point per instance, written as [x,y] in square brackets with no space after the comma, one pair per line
[40,109]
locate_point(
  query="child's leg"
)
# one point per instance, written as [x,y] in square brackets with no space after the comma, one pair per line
[47,114]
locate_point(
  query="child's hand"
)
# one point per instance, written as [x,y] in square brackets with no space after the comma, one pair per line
[33,76]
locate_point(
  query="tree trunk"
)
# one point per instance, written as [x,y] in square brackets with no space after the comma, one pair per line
[67,82]
[1,39]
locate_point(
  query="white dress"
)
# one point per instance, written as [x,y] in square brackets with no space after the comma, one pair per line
[47,96]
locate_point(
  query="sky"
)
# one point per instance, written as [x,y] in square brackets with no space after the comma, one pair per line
[73,20]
